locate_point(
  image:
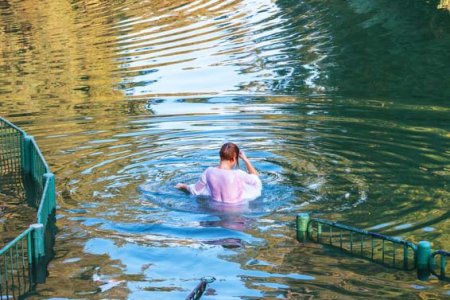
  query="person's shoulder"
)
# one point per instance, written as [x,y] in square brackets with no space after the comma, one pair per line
[241,172]
[208,170]
[247,175]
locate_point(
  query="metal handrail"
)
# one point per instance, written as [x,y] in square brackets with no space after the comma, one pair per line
[12,125]
[407,248]
[41,195]
[17,266]
[13,242]
[423,257]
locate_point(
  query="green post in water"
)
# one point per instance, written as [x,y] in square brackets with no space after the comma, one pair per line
[39,268]
[302,226]
[26,154]
[38,240]
[423,256]
[51,188]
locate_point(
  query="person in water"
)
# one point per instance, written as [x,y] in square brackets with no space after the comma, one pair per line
[226,183]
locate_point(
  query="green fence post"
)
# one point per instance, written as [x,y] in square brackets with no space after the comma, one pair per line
[26,154]
[38,240]
[302,226]
[423,256]
[50,177]
[39,268]
[443,263]
[27,169]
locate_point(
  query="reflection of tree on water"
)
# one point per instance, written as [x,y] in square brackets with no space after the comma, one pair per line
[372,48]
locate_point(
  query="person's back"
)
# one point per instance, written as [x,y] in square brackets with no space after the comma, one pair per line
[232,186]
[225,184]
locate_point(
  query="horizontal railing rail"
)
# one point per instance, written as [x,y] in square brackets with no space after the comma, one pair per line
[390,251]
[23,260]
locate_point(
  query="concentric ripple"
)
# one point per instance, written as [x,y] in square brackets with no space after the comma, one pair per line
[313,154]
[215,47]
[341,105]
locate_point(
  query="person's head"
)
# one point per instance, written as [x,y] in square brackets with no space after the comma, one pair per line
[230,152]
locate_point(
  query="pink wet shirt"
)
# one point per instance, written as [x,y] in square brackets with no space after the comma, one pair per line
[228,186]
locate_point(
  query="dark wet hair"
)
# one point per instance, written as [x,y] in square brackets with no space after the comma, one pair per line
[229,151]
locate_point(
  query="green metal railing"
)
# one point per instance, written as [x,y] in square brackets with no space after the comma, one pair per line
[440,263]
[11,139]
[23,260]
[387,250]
[16,266]
[390,251]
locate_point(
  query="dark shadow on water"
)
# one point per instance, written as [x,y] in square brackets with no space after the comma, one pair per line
[373,49]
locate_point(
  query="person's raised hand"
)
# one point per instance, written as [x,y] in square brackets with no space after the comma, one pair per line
[242,155]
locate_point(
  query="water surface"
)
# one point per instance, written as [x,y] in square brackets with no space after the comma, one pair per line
[342,107]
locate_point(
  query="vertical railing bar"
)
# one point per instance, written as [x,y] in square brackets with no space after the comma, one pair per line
[1,279]
[319,231]
[9,153]
[5,153]
[331,235]
[405,256]
[393,254]
[18,267]
[1,152]
[372,246]
[362,244]
[351,242]
[340,236]
[23,264]
[12,152]
[8,165]
[382,250]
[30,259]
[12,272]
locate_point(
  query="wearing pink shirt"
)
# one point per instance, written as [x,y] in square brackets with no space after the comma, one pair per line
[228,186]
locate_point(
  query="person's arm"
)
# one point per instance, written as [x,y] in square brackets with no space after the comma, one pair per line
[248,164]
[195,189]
[182,186]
